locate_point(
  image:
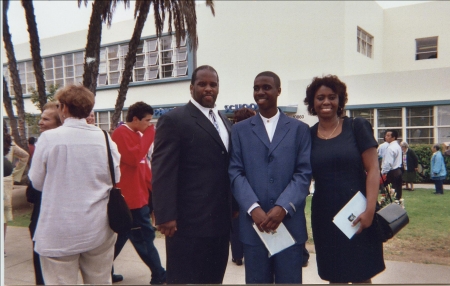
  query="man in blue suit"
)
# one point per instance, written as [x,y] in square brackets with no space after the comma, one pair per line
[270,174]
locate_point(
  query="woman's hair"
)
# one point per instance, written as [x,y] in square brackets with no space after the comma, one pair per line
[332,82]
[436,147]
[53,106]
[79,100]
[242,114]
[404,144]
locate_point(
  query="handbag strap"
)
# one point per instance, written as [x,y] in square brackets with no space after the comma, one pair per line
[384,187]
[110,160]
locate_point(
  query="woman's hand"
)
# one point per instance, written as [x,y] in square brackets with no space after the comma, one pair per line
[366,219]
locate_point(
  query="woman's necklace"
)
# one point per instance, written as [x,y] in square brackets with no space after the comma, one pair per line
[323,136]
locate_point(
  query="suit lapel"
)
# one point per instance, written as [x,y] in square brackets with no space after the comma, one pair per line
[280,132]
[205,123]
[260,130]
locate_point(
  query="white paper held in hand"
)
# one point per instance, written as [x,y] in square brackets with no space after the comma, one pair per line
[345,217]
[277,241]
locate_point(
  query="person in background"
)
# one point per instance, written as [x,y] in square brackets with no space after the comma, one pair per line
[49,120]
[410,165]
[133,140]
[344,161]
[15,152]
[438,170]
[31,141]
[91,118]
[237,251]
[70,167]
[270,175]
[382,150]
[392,163]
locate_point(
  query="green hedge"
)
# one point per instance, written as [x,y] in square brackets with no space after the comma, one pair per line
[423,152]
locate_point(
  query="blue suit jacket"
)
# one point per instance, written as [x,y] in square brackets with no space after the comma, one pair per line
[271,173]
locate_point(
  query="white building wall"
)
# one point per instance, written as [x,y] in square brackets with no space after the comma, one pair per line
[367,15]
[403,25]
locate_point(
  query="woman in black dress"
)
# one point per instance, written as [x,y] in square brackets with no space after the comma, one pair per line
[344,161]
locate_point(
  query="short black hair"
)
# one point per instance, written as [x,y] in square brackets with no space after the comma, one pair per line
[332,82]
[204,67]
[139,109]
[31,140]
[276,78]
[394,133]
[437,147]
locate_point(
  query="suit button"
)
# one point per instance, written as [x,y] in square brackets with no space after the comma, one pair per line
[271,180]
[271,202]
[223,152]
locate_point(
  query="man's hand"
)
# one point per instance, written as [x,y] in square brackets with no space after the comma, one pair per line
[168,228]
[274,217]
[258,216]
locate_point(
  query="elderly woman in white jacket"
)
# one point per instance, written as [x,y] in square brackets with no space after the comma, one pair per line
[70,166]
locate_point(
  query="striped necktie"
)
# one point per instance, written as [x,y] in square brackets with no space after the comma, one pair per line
[212,117]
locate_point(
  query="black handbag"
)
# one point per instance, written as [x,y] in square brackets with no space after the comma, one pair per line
[119,215]
[390,219]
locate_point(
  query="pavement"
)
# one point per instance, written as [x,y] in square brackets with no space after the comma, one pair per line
[17,266]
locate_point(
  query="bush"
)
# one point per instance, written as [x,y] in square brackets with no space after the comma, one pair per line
[423,152]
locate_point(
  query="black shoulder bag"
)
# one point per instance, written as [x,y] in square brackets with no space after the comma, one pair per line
[390,219]
[119,215]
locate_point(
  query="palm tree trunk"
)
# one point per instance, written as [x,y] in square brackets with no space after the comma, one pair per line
[92,54]
[9,110]
[35,52]
[130,59]
[12,65]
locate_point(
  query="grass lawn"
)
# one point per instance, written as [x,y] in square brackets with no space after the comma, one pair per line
[426,239]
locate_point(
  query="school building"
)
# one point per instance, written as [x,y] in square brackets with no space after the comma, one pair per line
[395,62]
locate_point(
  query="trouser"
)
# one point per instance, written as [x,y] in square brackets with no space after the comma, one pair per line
[142,235]
[394,177]
[95,266]
[237,250]
[439,185]
[196,260]
[284,267]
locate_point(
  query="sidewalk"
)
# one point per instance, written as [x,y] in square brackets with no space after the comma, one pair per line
[18,266]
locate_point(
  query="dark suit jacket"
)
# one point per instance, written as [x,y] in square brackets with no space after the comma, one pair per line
[411,160]
[190,179]
[271,173]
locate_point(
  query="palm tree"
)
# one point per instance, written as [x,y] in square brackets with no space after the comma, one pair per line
[35,52]
[183,16]
[102,11]
[9,110]
[21,140]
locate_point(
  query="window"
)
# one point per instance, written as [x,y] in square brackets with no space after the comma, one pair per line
[443,124]
[103,118]
[364,43]
[364,113]
[155,59]
[419,125]
[426,48]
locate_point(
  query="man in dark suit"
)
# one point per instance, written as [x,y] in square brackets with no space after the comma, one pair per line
[270,174]
[191,187]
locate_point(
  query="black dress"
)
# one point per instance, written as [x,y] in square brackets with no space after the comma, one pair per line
[339,174]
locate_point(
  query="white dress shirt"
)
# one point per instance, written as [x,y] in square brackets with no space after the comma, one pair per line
[392,158]
[382,149]
[222,129]
[271,124]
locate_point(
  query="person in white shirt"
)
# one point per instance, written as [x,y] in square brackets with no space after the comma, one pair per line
[70,167]
[382,150]
[392,162]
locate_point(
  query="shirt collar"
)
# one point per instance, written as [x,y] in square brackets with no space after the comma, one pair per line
[268,120]
[204,110]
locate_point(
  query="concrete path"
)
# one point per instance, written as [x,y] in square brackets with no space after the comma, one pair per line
[18,266]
